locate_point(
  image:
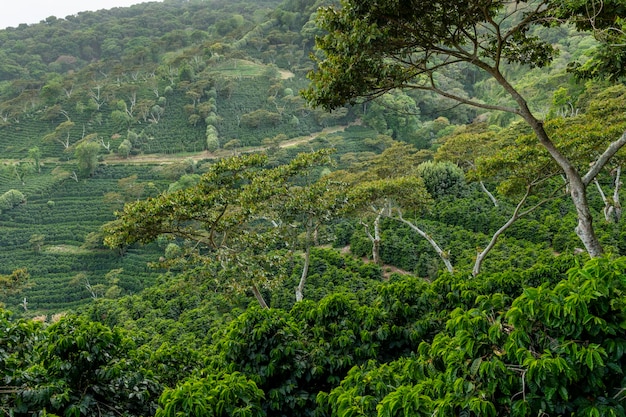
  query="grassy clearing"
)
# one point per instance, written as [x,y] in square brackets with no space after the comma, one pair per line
[239,68]
[66,250]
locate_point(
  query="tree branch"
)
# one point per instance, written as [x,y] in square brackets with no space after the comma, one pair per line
[444,257]
[604,159]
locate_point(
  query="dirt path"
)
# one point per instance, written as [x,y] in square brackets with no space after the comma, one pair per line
[285,75]
[198,156]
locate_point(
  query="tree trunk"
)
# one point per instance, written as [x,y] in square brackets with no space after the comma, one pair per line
[259,297]
[617,207]
[486,191]
[612,208]
[584,229]
[305,268]
[375,239]
[303,276]
[607,204]
[440,252]
[480,257]
[577,186]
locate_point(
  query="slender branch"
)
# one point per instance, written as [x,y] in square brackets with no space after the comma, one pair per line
[604,159]
[463,100]
[530,17]
[486,191]
[605,200]
[514,217]
[443,255]
[481,255]
[259,297]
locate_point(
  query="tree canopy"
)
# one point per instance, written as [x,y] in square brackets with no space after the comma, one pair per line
[373,47]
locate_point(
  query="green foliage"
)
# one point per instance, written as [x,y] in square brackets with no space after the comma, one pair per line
[185,181]
[67,212]
[487,361]
[524,343]
[607,24]
[11,199]
[87,155]
[329,272]
[571,346]
[83,369]
[222,395]
[384,32]
[221,216]
[441,178]
[14,282]
[17,341]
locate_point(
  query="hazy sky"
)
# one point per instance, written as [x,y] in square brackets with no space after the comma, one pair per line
[14,12]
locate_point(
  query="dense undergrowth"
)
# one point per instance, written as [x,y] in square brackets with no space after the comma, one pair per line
[546,341]
[141,330]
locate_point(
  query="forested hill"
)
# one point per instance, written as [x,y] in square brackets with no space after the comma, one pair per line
[81,93]
[183,234]
[85,99]
[166,72]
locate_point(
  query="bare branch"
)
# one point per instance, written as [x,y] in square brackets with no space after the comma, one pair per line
[604,159]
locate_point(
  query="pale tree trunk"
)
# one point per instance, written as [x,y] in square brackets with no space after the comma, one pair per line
[375,238]
[480,257]
[584,229]
[259,297]
[577,185]
[303,276]
[612,208]
[486,191]
[443,255]
[605,200]
[617,206]
[305,268]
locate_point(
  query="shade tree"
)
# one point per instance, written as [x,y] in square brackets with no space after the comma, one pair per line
[223,216]
[465,146]
[394,114]
[305,209]
[414,46]
[11,199]
[86,152]
[61,134]
[399,160]
[586,130]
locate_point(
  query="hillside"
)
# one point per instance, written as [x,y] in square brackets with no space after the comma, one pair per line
[92,105]
[182,234]
[130,84]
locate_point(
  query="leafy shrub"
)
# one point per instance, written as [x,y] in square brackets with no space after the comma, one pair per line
[11,199]
[441,178]
[221,395]
[556,349]
[85,368]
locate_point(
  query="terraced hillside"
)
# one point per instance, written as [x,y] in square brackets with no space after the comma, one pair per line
[55,236]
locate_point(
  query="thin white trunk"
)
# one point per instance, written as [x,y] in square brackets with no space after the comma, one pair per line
[303,276]
[491,197]
[375,238]
[259,297]
[305,268]
[443,255]
[617,206]
[480,257]
[607,204]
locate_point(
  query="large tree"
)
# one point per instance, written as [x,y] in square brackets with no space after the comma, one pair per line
[224,217]
[375,46]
